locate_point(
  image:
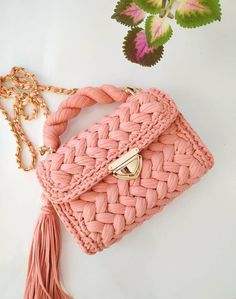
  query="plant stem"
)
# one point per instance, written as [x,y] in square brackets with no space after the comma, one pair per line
[168,7]
[163,3]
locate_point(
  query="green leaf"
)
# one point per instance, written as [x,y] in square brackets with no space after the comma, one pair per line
[158,30]
[127,12]
[136,48]
[151,6]
[195,13]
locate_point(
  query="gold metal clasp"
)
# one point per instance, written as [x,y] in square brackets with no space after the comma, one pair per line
[128,166]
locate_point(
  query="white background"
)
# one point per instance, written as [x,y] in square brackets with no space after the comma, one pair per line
[187,251]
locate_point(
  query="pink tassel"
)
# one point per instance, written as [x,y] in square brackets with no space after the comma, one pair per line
[43,274]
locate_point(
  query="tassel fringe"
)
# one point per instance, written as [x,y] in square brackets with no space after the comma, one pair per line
[43,274]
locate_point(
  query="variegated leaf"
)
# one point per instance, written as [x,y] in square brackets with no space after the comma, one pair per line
[136,48]
[158,30]
[128,13]
[151,6]
[195,13]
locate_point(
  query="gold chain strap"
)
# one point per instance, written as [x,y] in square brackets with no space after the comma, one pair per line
[26,90]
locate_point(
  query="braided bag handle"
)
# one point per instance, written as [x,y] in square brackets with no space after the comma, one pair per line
[57,122]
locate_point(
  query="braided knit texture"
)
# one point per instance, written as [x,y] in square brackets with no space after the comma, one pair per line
[97,208]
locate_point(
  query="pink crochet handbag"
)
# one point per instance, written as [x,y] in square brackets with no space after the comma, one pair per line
[110,178]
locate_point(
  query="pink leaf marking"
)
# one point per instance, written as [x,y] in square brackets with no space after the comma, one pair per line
[135,12]
[191,5]
[156,33]
[141,45]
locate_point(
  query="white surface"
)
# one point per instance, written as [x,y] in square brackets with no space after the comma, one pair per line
[187,251]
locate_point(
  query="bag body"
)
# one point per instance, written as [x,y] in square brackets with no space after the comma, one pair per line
[95,206]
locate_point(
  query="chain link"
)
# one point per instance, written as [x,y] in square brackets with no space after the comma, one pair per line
[26,90]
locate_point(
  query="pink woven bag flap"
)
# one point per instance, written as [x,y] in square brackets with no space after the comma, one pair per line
[83,161]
